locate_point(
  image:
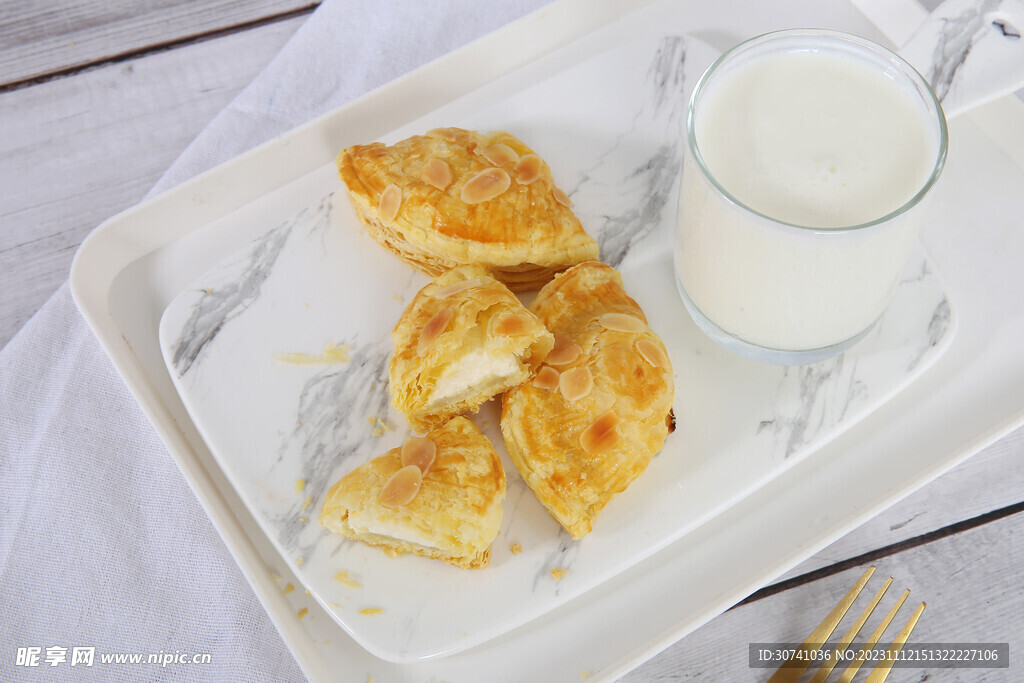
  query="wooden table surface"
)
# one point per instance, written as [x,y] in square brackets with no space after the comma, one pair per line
[98,98]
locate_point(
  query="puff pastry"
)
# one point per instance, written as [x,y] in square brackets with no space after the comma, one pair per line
[463,339]
[454,513]
[599,408]
[455,196]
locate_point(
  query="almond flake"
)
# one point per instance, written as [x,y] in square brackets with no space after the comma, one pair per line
[437,173]
[620,322]
[401,488]
[448,134]
[390,202]
[564,352]
[433,329]
[499,154]
[485,185]
[547,378]
[528,168]
[456,287]
[562,198]
[576,383]
[512,325]
[602,434]
[652,353]
[419,451]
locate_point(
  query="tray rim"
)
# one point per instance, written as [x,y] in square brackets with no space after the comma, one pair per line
[90,286]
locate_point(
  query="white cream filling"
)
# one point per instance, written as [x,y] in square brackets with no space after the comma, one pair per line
[476,372]
[364,524]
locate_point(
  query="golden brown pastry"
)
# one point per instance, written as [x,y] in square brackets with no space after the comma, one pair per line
[463,339]
[600,407]
[455,196]
[450,513]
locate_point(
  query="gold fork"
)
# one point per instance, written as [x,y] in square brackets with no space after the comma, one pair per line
[807,653]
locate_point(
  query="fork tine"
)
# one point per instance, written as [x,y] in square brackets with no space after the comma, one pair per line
[881,672]
[826,668]
[854,667]
[819,635]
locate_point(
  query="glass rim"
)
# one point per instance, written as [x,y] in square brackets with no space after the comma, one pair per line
[846,38]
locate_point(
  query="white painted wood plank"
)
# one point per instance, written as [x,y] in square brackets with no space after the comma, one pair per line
[46,36]
[963,578]
[78,150]
[992,479]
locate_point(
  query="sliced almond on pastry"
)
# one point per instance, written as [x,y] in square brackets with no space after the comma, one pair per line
[419,451]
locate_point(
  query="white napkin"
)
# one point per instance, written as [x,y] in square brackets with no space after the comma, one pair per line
[102,543]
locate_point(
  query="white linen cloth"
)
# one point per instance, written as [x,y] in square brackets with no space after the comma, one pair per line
[102,542]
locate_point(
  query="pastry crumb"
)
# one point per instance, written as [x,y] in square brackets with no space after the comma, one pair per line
[515,548]
[370,611]
[300,561]
[345,579]
[303,612]
[276,577]
[307,503]
[303,520]
[397,298]
[585,674]
[380,427]
[334,605]
[333,353]
[289,589]
[308,593]
[558,574]
[300,484]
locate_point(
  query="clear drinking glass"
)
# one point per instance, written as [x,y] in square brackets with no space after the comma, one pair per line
[772,261]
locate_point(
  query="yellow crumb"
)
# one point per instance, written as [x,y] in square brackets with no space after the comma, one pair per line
[302,559]
[299,485]
[308,593]
[370,611]
[343,577]
[334,605]
[515,548]
[380,427]
[397,298]
[333,353]
[303,612]
[303,520]
[289,589]
[276,577]
[558,574]
[585,674]
[307,503]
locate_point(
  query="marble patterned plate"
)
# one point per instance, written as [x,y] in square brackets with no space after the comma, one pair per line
[280,356]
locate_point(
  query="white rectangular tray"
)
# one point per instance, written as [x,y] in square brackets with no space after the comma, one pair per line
[124,277]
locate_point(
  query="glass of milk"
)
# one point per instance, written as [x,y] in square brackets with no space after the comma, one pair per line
[810,156]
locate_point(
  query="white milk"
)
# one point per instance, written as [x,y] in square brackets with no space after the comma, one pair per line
[815,140]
